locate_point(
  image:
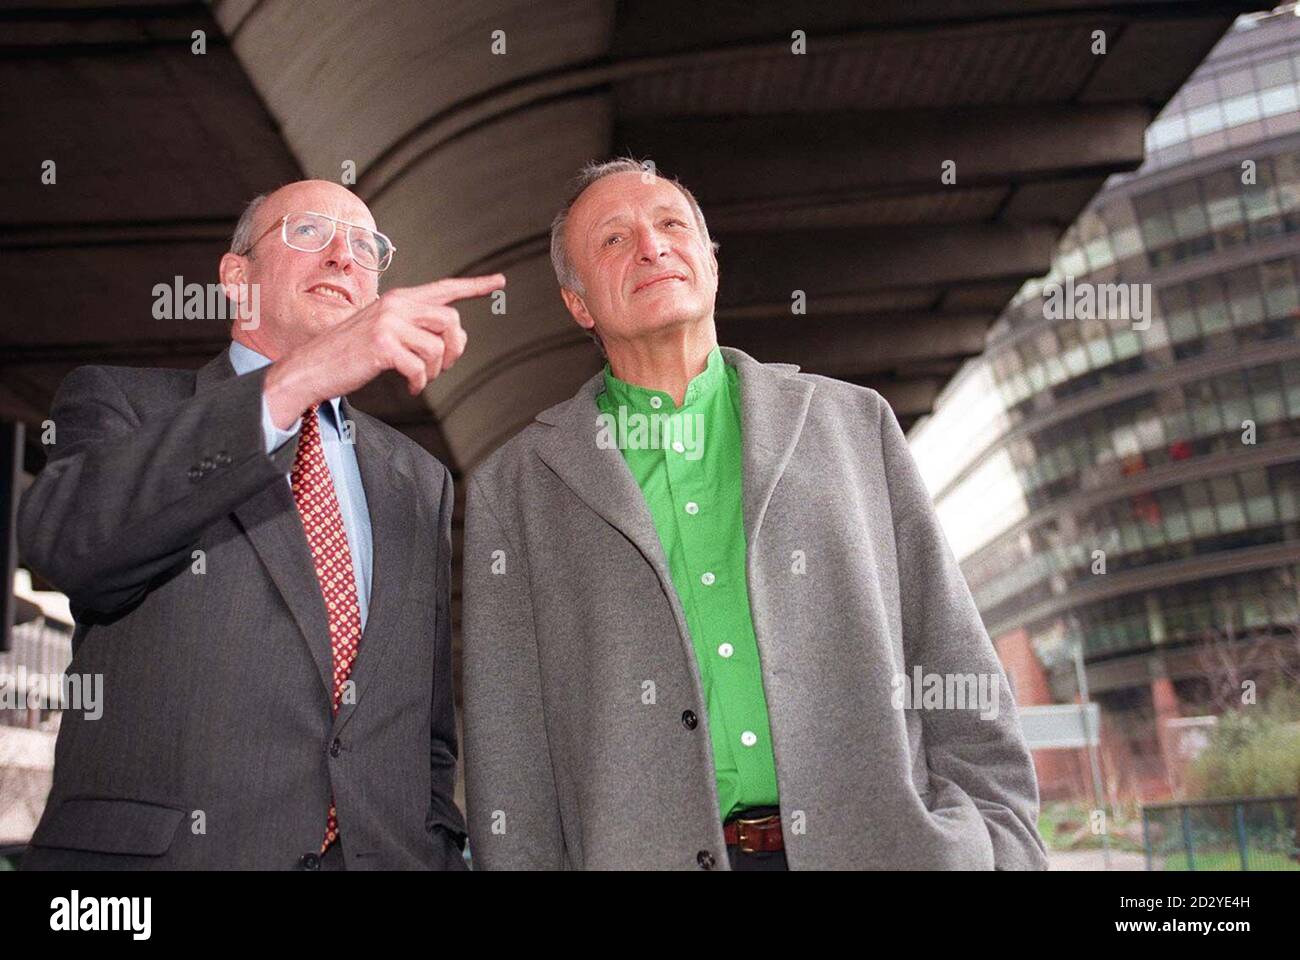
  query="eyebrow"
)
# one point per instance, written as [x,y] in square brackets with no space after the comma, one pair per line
[658,208]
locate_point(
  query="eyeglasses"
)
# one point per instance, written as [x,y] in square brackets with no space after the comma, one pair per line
[312,232]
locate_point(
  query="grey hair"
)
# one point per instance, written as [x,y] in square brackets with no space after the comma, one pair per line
[241,241]
[598,170]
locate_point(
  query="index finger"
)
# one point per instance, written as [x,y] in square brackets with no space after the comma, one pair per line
[460,288]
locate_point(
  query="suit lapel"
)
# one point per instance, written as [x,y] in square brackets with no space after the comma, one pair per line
[395,529]
[270,521]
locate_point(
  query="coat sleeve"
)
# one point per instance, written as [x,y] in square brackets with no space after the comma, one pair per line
[985,756]
[123,500]
[510,793]
[443,814]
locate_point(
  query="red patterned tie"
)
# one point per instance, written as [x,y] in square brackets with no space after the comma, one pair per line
[313,492]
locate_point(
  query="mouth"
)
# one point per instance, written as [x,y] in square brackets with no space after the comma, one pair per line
[655,281]
[330,292]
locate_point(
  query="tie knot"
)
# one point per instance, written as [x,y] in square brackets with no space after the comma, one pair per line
[309,421]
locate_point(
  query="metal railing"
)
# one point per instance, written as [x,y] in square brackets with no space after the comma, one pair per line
[1242,833]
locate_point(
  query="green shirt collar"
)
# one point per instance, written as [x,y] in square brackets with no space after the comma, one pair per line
[643,399]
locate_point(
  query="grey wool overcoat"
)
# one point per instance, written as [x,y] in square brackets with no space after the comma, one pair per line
[579,669]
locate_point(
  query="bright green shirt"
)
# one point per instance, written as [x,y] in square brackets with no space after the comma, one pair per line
[687,462]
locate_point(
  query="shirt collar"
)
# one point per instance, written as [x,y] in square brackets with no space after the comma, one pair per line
[702,387]
[245,360]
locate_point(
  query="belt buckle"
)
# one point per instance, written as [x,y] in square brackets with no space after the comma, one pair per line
[742,833]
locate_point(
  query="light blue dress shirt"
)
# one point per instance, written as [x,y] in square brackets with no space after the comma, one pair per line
[340,456]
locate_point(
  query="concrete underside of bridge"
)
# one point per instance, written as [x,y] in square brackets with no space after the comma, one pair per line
[819,171]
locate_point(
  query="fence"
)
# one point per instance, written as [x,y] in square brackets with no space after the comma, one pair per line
[1247,833]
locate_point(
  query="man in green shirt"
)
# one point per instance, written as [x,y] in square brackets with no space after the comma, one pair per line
[687,462]
[694,497]
[690,592]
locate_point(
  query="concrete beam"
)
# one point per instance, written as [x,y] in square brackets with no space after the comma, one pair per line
[769,267]
[739,159]
[841,347]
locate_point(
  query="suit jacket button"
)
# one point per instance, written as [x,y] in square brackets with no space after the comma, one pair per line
[206,465]
[336,747]
[704,859]
[309,861]
[689,720]
[195,474]
[223,459]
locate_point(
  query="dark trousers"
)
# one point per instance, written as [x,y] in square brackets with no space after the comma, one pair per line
[769,860]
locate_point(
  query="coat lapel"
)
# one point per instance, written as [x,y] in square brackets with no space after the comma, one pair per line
[600,477]
[774,406]
[270,521]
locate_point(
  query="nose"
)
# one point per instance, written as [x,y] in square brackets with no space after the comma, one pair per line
[650,245]
[338,255]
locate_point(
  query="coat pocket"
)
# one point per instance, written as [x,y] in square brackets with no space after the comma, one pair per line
[106,825]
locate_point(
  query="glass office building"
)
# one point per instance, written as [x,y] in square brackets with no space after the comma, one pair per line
[1121,468]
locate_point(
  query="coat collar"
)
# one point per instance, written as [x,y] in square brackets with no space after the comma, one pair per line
[773,407]
[271,522]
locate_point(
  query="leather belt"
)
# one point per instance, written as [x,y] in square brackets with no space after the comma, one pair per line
[754,835]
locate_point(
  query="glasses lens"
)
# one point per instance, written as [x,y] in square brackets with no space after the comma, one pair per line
[371,249]
[308,232]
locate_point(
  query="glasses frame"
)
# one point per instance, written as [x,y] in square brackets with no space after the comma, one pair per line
[283,225]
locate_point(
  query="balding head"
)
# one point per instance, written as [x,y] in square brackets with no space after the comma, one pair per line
[293,308]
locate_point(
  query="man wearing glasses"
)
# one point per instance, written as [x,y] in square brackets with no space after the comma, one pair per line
[249,559]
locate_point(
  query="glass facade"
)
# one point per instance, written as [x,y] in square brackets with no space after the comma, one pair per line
[1127,476]
[1238,103]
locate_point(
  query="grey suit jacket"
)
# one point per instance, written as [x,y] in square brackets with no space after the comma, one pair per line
[579,666]
[217,747]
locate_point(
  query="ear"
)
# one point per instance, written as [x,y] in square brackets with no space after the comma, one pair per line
[233,272]
[578,308]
